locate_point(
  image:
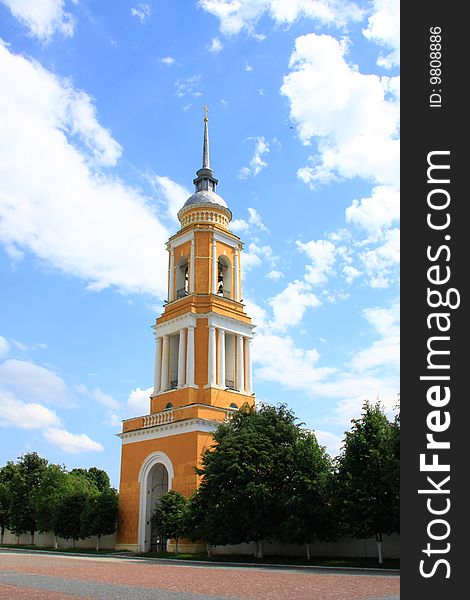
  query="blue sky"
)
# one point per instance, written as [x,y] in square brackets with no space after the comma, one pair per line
[100,138]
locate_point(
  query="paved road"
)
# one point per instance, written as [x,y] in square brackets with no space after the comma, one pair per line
[32,576]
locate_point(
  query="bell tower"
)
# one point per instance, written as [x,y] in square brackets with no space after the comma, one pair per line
[203,366]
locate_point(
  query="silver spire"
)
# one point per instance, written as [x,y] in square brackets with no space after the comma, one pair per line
[205,148]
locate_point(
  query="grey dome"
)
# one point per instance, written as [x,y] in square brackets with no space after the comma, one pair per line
[205,197]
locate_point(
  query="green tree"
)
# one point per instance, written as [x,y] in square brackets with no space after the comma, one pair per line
[97,477]
[67,513]
[26,477]
[47,498]
[170,514]
[308,498]
[368,476]
[4,502]
[100,514]
[247,477]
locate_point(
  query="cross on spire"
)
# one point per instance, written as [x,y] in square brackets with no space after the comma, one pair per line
[206,112]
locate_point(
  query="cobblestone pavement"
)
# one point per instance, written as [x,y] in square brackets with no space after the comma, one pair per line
[32,576]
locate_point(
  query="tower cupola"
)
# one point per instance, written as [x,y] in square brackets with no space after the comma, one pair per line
[205,205]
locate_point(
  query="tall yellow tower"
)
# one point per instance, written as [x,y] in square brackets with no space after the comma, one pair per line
[202,362]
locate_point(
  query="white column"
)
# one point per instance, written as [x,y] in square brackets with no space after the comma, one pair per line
[240,364]
[249,377]
[171,291]
[214,266]
[190,357]
[236,276]
[158,366]
[211,358]
[181,358]
[165,360]
[221,379]
[191,268]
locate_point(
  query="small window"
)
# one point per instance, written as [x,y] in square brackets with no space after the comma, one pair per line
[233,405]
[168,406]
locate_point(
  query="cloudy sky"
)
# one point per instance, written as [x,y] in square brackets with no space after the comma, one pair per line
[100,138]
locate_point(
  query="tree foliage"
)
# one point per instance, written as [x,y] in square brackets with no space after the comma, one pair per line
[257,479]
[170,514]
[97,477]
[26,476]
[368,475]
[47,498]
[67,517]
[100,514]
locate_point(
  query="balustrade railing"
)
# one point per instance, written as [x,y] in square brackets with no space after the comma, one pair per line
[162,418]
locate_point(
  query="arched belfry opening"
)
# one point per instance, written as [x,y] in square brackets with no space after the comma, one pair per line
[182,278]
[224,279]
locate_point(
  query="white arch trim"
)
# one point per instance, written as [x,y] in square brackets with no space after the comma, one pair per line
[152,459]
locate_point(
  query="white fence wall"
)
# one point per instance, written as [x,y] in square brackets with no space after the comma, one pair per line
[345,547]
[107,542]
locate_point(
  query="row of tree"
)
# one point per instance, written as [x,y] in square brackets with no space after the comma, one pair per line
[38,496]
[266,477]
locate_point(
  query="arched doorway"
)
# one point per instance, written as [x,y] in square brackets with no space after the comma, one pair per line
[156,475]
[159,485]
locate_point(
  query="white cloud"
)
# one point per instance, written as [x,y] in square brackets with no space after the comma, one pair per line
[290,305]
[384,29]
[104,399]
[189,86]
[74,443]
[32,380]
[254,222]
[377,213]
[255,256]
[386,350]
[25,415]
[67,211]
[215,45]
[167,60]
[4,346]
[278,360]
[244,14]
[330,440]
[248,67]
[353,117]
[322,253]
[381,263]
[257,163]
[174,195]
[113,420]
[138,402]
[43,18]
[350,273]
[274,275]
[141,11]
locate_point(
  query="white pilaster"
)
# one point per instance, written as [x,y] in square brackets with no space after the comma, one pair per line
[165,360]
[211,358]
[190,357]
[236,276]
[249,377]
[181,358]
[171,290]
[158,366]
[240,364]
[191,268]
[214,266]
[221,378]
